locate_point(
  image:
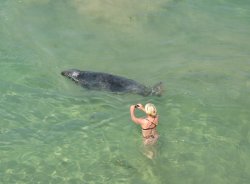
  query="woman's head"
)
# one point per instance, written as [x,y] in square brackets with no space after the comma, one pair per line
[150,109]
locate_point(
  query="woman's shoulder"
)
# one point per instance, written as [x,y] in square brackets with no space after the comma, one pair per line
[157,116]
[145,121]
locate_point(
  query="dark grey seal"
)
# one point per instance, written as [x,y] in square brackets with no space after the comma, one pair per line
[108,82]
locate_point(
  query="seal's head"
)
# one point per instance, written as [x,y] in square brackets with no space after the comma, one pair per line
[72,74]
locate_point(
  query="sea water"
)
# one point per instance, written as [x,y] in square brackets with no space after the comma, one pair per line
[53,131]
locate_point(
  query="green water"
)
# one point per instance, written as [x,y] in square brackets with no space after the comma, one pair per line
[52,131]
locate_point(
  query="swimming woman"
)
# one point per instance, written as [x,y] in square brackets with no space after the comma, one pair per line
[148,124]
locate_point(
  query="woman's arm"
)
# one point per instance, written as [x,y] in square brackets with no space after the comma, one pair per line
[132,114]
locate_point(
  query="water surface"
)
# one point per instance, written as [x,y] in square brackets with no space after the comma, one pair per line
[52,131]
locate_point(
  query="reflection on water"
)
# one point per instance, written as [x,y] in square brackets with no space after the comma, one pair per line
[53,131]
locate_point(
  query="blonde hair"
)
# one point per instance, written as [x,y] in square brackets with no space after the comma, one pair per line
[150,109]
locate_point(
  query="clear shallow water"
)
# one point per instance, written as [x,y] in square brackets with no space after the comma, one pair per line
[53,131]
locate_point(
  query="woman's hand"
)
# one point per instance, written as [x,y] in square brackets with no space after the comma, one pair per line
[139,106]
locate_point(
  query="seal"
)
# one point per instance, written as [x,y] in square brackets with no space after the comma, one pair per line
[109,82]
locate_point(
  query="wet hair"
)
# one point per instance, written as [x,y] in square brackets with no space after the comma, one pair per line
[150,109]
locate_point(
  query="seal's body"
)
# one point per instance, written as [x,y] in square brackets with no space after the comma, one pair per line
[109,82]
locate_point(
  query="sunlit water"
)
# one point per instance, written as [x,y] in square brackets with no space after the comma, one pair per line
[52,131]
